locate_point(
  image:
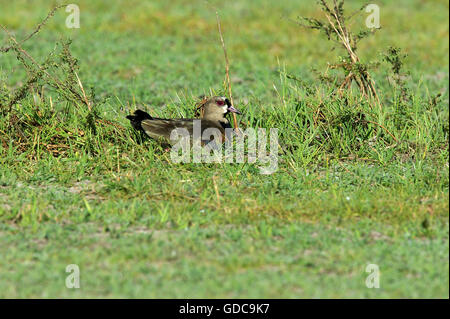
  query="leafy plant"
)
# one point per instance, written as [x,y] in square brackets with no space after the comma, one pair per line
[336,29]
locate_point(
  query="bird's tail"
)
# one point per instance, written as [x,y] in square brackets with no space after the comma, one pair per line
[137,117]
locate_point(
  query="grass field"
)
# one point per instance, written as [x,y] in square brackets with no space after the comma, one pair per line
[345,195]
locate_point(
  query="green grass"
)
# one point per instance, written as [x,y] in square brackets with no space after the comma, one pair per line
[345,195]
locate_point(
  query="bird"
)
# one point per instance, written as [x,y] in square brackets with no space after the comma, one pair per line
[214,111]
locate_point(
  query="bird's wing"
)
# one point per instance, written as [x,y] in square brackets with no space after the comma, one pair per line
[158,128]
[162,128]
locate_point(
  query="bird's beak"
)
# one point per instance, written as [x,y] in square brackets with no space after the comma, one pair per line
[231,108]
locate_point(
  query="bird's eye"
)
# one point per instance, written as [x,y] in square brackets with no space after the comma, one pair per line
[220,102]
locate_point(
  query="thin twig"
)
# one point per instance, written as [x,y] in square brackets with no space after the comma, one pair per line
[84,93]
[37,29]
[227,70]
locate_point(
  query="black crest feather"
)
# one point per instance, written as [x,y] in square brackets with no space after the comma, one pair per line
[137,117]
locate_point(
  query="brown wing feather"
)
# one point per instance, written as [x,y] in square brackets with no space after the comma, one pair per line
[162,128]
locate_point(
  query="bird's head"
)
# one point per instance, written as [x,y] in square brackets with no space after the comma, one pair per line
[216,108]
